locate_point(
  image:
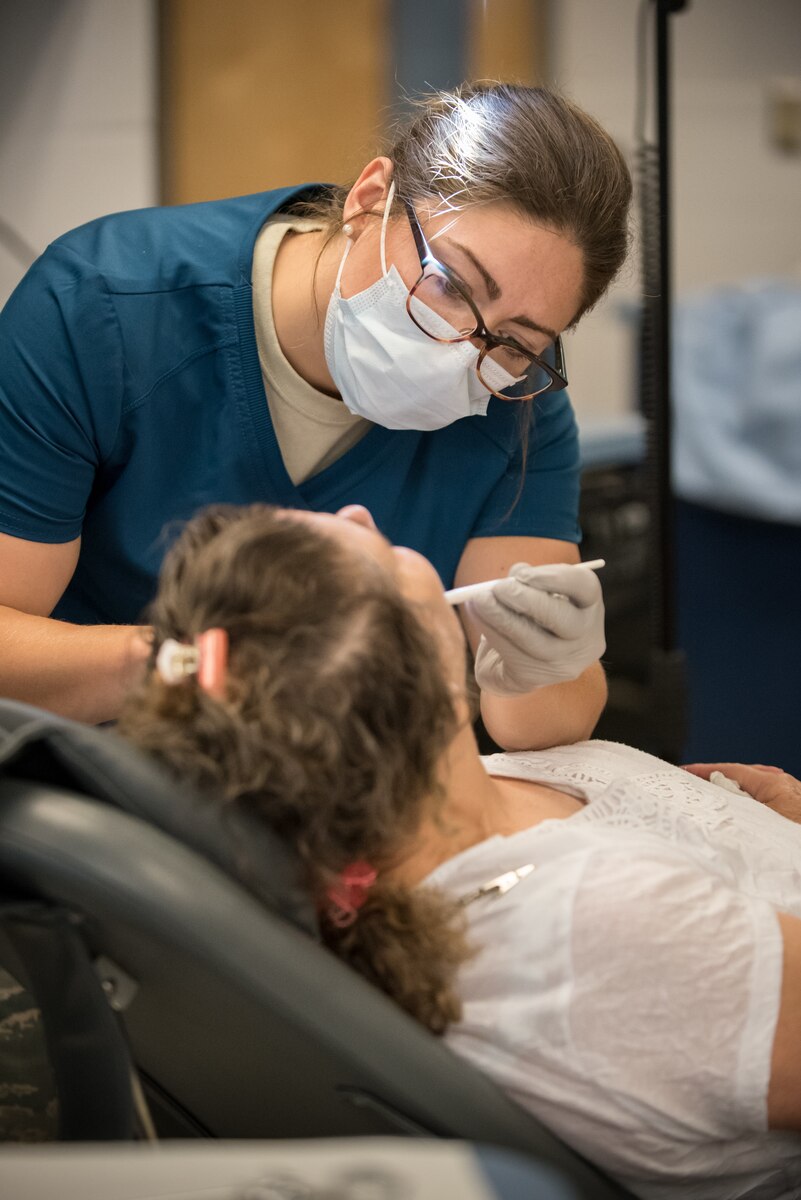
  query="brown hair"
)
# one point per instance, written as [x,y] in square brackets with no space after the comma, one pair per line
[527,146]
[330,730]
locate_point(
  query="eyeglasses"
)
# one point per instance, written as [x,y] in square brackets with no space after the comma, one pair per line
[442,309]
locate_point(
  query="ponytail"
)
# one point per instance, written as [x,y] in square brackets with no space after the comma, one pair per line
[410,943]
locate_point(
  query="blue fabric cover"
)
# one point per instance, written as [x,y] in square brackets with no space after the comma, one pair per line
[514,1177]
[737,397]
[131,395]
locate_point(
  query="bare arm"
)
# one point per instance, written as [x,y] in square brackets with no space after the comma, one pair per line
[784,1093]
[79,671]
[550,716]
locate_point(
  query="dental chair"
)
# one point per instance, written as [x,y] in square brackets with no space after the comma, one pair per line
[182,990]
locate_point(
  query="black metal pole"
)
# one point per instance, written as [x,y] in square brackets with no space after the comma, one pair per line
[662,414]
[667,684]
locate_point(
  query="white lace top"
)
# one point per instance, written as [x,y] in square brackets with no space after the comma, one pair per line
[627,989]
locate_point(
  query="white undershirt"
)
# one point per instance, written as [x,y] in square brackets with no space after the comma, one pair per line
[313,429]
[627,989]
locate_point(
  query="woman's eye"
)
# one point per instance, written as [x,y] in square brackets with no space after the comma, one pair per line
[446,288]
[520,352]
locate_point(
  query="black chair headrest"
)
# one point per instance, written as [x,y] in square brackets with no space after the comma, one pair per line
[99,763]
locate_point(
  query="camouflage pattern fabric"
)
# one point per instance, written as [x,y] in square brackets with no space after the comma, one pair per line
[28,1102]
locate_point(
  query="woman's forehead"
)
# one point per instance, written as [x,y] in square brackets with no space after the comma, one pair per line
[364,541]
[409,569]
[524,267]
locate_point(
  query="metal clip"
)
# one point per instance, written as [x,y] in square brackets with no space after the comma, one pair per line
[498,886]
[119,987]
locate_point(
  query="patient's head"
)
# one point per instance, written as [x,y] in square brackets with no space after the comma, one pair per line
[338,705]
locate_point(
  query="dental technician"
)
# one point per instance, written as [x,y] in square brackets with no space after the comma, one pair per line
[395,345]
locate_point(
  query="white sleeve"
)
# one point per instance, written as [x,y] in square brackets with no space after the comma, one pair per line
[676,986]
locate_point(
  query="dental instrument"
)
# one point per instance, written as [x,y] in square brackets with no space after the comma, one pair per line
[461,595]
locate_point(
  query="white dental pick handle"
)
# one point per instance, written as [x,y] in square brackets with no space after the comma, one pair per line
[462,594]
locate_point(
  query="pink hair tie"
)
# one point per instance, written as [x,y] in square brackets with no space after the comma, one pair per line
[213,663]
[348,893]
[208,659]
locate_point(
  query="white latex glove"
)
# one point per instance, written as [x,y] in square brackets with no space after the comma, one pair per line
[537,628]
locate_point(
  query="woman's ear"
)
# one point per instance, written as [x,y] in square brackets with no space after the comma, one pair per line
[368,194]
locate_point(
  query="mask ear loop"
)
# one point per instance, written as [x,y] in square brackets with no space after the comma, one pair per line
[342,265]
[384,222]
[383,245]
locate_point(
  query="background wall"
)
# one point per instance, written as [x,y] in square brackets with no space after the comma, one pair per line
[737,199]
[260,93]
[79,126]
[84,116]
[78,118]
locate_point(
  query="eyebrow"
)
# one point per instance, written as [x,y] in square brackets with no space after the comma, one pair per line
[494,292]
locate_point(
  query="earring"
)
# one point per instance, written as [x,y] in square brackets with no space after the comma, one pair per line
[347,229]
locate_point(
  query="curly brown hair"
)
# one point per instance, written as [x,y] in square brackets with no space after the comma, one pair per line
[332,724]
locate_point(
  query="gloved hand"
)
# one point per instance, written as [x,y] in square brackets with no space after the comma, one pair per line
[538,627]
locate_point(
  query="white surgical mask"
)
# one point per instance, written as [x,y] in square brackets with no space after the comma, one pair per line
[388,370]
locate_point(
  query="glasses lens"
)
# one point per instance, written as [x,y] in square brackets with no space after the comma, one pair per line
[440,309]
[502,367]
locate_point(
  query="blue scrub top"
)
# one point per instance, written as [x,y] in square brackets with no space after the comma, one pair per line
[131,395]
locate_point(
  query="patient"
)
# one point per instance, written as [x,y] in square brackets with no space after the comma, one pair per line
[615,940]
